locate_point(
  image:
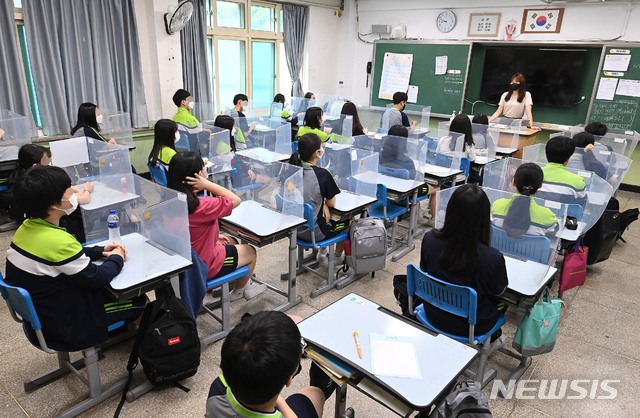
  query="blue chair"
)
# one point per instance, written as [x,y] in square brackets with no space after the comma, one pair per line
[531,247]
[158,173]
[330,243]
[575,210]
[457,300]
[387,211]
[224,303]
[23,311]
[294,146]
[400,173]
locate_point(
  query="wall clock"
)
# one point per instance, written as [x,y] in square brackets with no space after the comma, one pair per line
[446,21]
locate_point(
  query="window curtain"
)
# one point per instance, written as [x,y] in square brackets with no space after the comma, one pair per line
[295,35]
[84,51]
[193,42]
[13,86]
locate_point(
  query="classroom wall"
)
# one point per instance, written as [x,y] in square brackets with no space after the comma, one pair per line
[581,22]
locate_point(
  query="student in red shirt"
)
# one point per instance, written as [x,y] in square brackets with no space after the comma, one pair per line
[221,254]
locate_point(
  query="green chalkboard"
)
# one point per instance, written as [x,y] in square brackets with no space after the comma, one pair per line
[444,93]
[573,115]
[622,111]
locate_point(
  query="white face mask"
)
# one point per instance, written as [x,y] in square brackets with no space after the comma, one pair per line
[99,119]
[191,105]
[74,204]
[177,137]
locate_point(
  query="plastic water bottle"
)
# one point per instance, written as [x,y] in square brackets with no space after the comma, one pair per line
[123,186]
[113,224]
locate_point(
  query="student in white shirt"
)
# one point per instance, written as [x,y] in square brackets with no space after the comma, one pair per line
[516,102]
[460,125]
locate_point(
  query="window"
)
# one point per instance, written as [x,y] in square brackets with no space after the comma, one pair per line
[26,62]
[244,51]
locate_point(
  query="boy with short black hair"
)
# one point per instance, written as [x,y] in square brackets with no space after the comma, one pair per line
[259,358]
[186,120]
[561,183]
[596,128]
[66,287]
[240,102]
[395,115]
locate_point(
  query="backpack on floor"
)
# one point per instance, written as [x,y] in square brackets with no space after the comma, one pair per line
[368,238]
[402,296]
[466,400]
[601,238]
[627,217]
[167,343]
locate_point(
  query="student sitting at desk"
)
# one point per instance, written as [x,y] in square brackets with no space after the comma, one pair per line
[165,136]
[480,133]
[320,190]
[286,116]
[350,109]
[66,287]
[221,254]
[596,128]
[460,253]
[393,155]
[585,158]
[389,117]
[559,183]
[313,124]
[240,102]
[261,356]
[521,214]
[89,119]
[517,102]
[460,125]
[31,155]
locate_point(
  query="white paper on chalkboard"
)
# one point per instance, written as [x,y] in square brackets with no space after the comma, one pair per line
[441,64]
[69,152]
[396,72]
[629,88]
[412,93]
[607,88]
[616,62]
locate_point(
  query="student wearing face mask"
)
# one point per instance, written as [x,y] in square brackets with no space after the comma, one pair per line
[66,286]
[313,121]
[186,120]
[88,124]
[516,103]
[165,136]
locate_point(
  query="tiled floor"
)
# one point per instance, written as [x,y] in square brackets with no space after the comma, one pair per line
[597,340]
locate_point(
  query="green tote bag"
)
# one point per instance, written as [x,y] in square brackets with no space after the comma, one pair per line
[537,332]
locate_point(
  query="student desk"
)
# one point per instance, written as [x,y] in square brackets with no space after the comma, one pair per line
[104,196]
[263,155]
[398,190]
[349,204]
[259,225]
[148,265]
[437,175]
[441,360]
[505,152]
[572,235]
[482,160]
[527,281]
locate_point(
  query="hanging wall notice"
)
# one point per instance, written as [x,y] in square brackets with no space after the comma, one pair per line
[396,72]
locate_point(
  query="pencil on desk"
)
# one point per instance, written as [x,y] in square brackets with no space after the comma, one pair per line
[355,337]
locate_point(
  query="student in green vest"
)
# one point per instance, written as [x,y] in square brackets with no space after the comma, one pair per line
[313,124]
[286,115]
[88,123]
[559,183]
[165,136]
[186,120]
[520,214]
[240,102]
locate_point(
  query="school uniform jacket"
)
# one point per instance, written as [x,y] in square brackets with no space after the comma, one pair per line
[542,219]
[562,185]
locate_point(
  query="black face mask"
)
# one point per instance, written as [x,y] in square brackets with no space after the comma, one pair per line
[514,86]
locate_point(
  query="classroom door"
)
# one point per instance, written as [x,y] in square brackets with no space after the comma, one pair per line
[263,73]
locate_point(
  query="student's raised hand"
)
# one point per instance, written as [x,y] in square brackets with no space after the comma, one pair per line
[589,147]
[223,240]
[414,123]
[197,182]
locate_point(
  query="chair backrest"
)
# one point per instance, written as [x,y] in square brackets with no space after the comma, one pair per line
[399,173]
[158,174]
[381,194]
[22,310]
[465,165]
[309,217]
[574,210]
[457,300]
[534,248]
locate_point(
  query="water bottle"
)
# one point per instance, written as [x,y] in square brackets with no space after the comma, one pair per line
[113,224]
[123,186]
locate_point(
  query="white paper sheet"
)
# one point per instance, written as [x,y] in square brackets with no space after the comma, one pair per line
[628,88]
[69,152]
[441,64]
[607,88]
[394,356]
[616,62]
[396,72]
[413,94]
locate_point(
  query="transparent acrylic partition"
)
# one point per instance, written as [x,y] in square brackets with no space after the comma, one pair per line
[299,106]
[371,118]
[275,112]
[17,132]
[428,161]
[204,112]
[280,188]
[485,139]
[586,205]
[116,124]
[367,142]
[325,102]
[364,165]
[154,224]
[341,130]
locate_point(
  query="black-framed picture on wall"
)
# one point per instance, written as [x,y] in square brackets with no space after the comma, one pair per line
[542,20]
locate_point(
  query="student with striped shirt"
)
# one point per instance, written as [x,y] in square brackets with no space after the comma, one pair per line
[559,183]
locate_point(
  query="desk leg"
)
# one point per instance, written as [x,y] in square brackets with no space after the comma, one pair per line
[525,362]
[292,291]
[341,401]
[412,225]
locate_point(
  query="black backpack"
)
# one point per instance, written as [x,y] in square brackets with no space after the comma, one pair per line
[627,218]
[167,343]
[402,296]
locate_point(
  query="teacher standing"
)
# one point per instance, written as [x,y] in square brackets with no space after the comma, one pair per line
[516,102]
